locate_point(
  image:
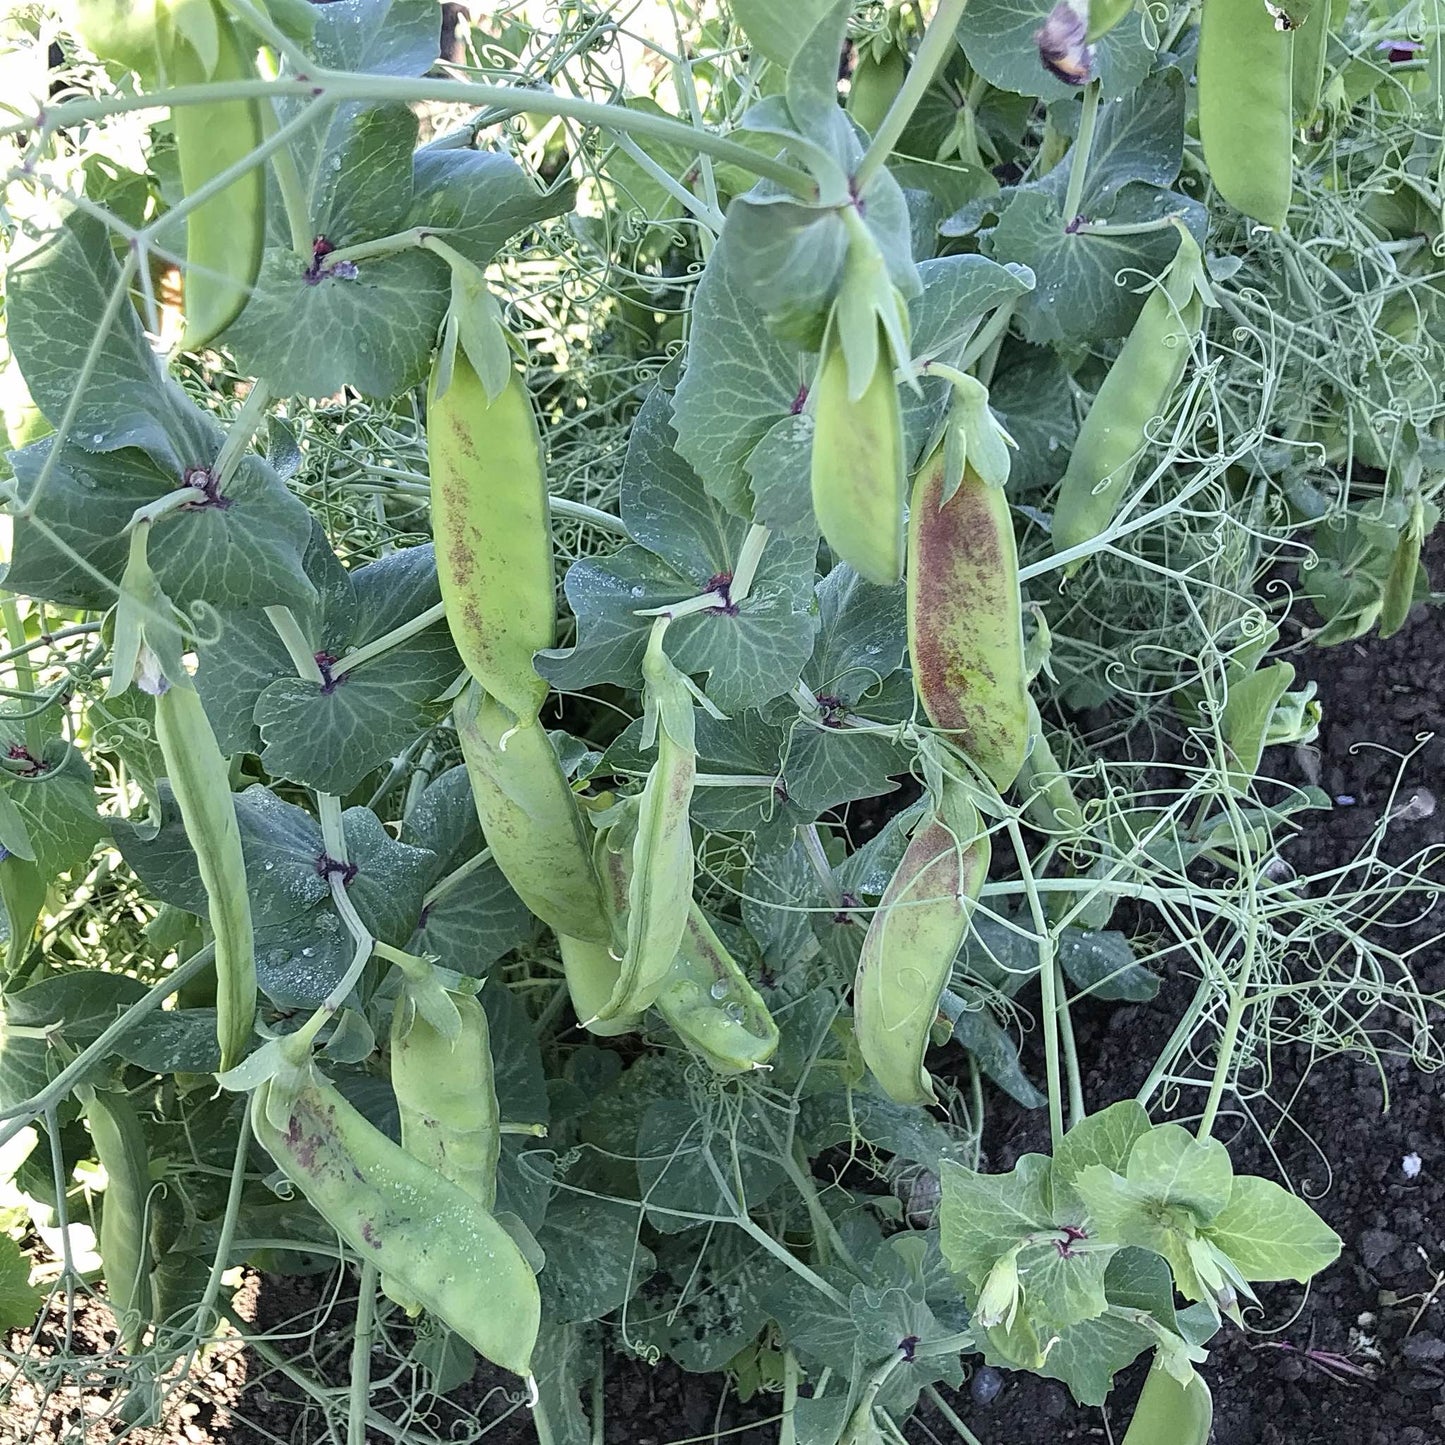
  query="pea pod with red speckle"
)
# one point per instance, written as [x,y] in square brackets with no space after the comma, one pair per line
[965,618]
[912,941]
[425,1234]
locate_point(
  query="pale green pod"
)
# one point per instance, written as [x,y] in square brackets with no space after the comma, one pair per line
[426,1235]
[911,944]
[120,1147]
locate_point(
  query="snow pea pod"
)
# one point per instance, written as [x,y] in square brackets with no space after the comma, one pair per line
[965,618]
[858,477]
[531,820]
[912,941]
[713,1007]
[593,969]
[1246,100]
[424,1233]
[877,79]
[659,892]
[225,235]
[199,776]
[1137,389]
[493,535]
[120,1147]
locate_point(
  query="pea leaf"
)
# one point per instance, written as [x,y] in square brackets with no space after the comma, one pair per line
[480,918]
[1033,397]
[778,32]
[752,651]
[19,1301]
[177,1041]
[994,1050]
[1271,1234]
[379,37]
[1104,1138]
[983,1216]
[1102,965]
[1087,1355]
[53,797]
[998,38]
[595,1261]
[476,201]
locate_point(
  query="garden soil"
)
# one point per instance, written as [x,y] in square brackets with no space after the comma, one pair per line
[1359,1359]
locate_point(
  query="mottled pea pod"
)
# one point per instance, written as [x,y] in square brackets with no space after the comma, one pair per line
[430,1239]
[965,618]
[1245,85]
[225,234]
[532,823]
[1137,389]
[120,1148]
[492,530]
[659,892]
[912,941]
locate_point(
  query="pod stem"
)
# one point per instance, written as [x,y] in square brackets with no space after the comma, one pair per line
[1083,145]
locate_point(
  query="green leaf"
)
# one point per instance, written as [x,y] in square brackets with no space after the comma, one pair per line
[561,1364]
[476,201]
[983,1216]
[861,638]
[1032,396]
[778,31]
[866,1116]
[178,1041]
[22,889]
[480,918]
[19,1301]
[1271,1234]
[312,337]
[1173,1167]
[994,1050]
[752,651]
[1062,1285]
[1105,1138]
[56,297]
[362,179]
[998,38]
[247,550]
[1102,965]
[595,1261]
[823,1331]
[1088,281]
[380,37]
[1087,1355]
[54,798]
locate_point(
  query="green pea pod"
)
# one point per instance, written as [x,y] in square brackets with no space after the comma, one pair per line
[532,823]
[912,941]
[1399,591]
[1307,62]
[120,1147]
[493,536]
[592,970]
[424,1233]
[1246,100]
[199,776]
[713,1007]
[659,893]
[965,618]
[446,1095]
[858,476]
[1244,724]
[225,235]
[1137,389]
[1170,1413]
[875,86]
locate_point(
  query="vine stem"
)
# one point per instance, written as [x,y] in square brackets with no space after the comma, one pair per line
[1229,1039]
[1079,167]
[330,85]
[244,426]
[360,1392]
[933,50]
[19,655]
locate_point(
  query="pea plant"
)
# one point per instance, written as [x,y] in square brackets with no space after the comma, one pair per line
[945,414]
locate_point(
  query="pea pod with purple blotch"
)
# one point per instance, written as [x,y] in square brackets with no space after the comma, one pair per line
[426,1235]
[530,817]
[911,943]
[965,617]
[1137,389]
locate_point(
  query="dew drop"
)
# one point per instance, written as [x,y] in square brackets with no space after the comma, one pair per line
[719,989]
[734,1011]
[637,591]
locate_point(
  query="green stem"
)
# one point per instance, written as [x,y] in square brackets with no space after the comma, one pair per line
[746,569]
[360,1391]
[1079,167]
[1229,1039]
[24,672]
[933,51]
[1071,1051]
[949,1414]
[303,659]
[444,885]
[388,640]
[289,183]
[707,215]
[244,426]
[204,1323]
[787,1426]
[1048,988]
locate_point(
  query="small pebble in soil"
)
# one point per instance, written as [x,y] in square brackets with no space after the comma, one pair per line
[985,1385]
[1345,800]
[1410,1166]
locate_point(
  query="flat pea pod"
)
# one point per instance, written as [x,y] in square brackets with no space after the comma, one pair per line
[225,234]
[1171,1413]
[200,779]
[1245,83]
[592,970]
[659,892]
[1137,389]
[493,534]
[120,1147]
[532,823]
[713,1007]
[877,79]
[1398,595]
[424,1233]
[912,941]
[446,1094]
[965,618]
[858,476]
